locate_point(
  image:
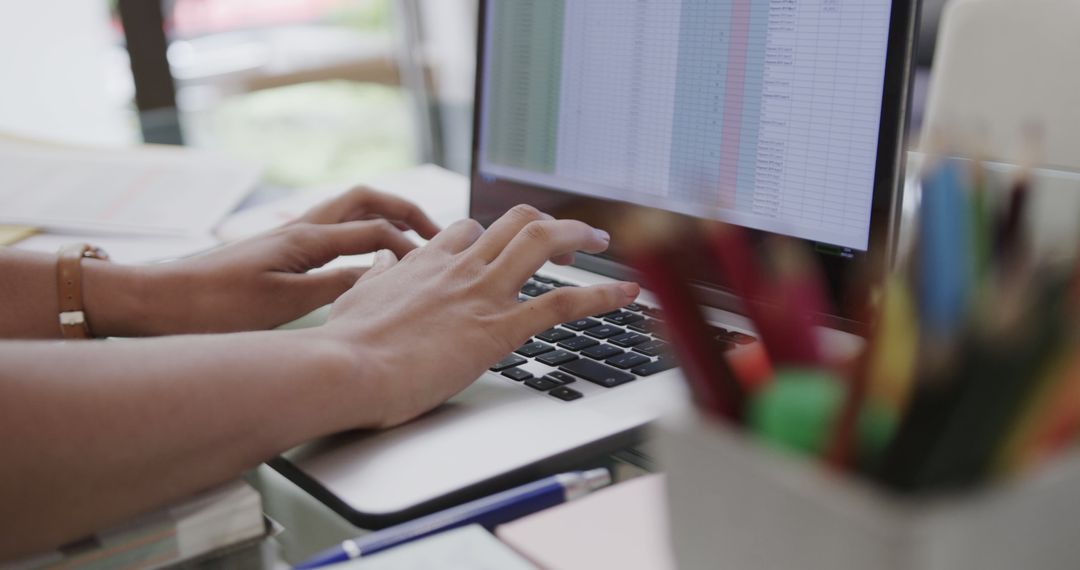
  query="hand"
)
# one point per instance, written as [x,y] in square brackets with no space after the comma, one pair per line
[432,323]
[263,282]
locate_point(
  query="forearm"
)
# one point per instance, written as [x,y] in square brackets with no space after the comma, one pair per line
[96,432]
[112,297]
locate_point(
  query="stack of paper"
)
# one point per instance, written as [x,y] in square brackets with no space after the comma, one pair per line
[213,520]
[141,205]
[144,191]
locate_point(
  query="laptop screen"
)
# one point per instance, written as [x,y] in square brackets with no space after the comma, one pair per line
[763,114]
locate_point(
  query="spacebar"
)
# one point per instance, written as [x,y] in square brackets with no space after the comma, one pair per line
[597,373]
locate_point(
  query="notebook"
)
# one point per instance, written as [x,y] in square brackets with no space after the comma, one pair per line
[624,526]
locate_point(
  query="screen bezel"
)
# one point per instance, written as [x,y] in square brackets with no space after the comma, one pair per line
[489,199]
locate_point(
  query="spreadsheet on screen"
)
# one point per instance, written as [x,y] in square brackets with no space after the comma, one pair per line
[764,114]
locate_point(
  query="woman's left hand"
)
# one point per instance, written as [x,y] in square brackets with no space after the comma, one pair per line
[264,281]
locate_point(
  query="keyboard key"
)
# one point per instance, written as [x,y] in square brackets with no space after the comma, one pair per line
[597,373]
[556,358]
[578,343]
[652,348]
[517,374]
[565,394]
[508,362]
[543,280]
[635,307]
[605,331]
[622,318]
[629,339]
[534,349]
[541,384]
[654,313]
[583,324]
[655,367]
[560,377]
[534,289]
[647,326]
[601,352]
[628,360]
[555,335]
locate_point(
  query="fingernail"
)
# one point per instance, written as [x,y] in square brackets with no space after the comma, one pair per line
[602,234]
[384,256]
[631,290]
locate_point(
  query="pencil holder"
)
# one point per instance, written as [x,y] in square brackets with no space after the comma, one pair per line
[736,504]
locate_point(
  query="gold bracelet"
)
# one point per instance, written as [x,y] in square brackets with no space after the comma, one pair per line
[73,323]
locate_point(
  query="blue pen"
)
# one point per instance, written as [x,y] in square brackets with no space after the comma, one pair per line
[488,512]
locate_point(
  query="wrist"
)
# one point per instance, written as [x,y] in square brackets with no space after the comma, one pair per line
[347,374]
[114,299]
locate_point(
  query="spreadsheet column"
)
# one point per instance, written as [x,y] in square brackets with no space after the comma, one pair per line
[835,122]
[618,97]
[750,196]
[776,155]
[526,69]
[873,36]
[734,93]
[820,65]
[699,102]
[796,166]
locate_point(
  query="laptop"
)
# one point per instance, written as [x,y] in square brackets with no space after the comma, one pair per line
[781,117]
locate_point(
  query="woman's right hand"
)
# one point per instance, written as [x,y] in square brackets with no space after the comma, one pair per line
[425,327]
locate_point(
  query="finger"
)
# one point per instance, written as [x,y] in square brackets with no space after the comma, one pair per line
[572,303]
[324,287]
[459,236]
[495,239]
[324,243]
[384,260]
[565,259]
[541,241]
[365,203]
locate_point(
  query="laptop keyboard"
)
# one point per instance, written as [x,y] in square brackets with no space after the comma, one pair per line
[608,350]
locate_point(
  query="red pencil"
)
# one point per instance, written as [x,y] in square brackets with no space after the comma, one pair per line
[785,309]
[661,265]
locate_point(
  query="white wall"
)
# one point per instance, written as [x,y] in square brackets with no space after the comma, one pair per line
[54,73]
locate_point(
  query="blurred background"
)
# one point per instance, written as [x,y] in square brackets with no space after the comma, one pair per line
[316,90]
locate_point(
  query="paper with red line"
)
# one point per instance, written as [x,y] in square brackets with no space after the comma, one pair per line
[150,190]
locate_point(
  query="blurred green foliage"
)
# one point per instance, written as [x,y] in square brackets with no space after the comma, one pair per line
[316,133]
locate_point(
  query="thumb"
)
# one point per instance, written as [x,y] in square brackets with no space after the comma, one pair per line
[384,260]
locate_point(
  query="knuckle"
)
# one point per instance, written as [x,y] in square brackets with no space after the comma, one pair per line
[526,212]
[361,193]
[382,226]
[537,231]
[467,225]
[563,305]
